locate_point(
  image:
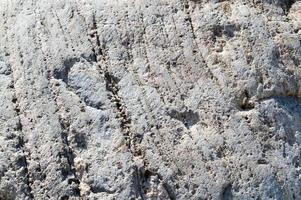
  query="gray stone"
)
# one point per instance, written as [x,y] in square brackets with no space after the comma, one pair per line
[178,99]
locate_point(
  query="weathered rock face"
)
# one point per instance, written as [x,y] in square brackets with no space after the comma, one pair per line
[154,99]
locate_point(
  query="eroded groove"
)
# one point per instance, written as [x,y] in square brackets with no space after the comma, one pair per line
[125,121]
[69,155]
[96,47]
[65,32]
[21,143]
[61,28]
[68,172]
[111,84]
[167,188]
[189,19]
[138,183]
[142,175]
[21,146]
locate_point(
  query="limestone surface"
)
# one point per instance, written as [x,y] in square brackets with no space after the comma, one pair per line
[150,99]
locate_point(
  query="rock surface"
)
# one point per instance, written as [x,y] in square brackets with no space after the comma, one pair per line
[134,99]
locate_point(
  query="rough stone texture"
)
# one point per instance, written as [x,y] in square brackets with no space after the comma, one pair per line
[158,99]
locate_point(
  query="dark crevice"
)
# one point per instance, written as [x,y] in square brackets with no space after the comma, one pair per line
[99,52]
[98,189]
[113,93]
[245,102]
[94,39]
[221,152]
[188,118]
[219,30]
[80,139]
[141,174]
[24,164]
[227,193]
[284,4]
[21,144]
[111,83]
[65,197]
[262,161]
[112,87]
[168,189]
[138,182]
[70,172]
[68,169]
[63,72]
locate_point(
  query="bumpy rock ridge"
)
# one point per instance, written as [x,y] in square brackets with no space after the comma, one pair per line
[150,99]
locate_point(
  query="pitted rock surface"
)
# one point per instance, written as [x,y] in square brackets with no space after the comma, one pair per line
[136,99]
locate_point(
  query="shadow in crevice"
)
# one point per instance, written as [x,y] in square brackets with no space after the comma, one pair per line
[227,193]
[284,114]
[284,4]
[227,30]
[63,71]
[291,119]
[95,188]
[188,118]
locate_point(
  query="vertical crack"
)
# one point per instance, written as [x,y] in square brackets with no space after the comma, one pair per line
[187,9]
[147,183]
[167,188]
[96,47]
[138,182]
[125,120]
[111,84]
[69,172]
[21,144]
[68,153]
